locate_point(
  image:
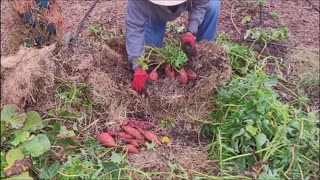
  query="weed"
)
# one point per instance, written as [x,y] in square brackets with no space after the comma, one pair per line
[168,123]
[171,54]
[77,95]
[242,59]
[274,15]
[267,34]
[171,27]
[255,132]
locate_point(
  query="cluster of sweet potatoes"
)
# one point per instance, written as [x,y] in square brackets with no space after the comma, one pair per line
[135,133]
[183,75]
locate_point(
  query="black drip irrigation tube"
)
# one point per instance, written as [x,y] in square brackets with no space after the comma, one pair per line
[315,7]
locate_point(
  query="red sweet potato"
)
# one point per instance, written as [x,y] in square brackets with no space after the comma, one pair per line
[131,148]
[145,125]
[125,123]
[106,140]
[133,142]
[124,135]
[183,78]
[133,132]
[191,75]
[169,71]
[150,136]
[153,75]
[112,132]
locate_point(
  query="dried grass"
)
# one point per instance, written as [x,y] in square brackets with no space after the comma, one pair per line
[110,80]
[304,62]
[21,76]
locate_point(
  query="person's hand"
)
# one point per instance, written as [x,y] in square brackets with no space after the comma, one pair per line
[189,44]
[140,77]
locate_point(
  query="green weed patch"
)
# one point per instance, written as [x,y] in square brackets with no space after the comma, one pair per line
[255,134]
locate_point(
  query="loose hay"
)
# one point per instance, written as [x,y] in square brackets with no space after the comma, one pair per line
[21,76]
[112,76]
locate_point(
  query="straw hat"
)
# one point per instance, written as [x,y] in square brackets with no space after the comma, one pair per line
[167,2]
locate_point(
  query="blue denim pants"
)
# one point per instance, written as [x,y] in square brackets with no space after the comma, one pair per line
[154,32]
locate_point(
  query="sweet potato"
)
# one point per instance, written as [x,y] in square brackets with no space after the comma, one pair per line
[124,135]
[131,148]
[106,140]
[169,71]
[112,132]
[125,123]
[134,142]
[133,132]
[153,75]
[183,78]
[150,136]
[191,75]
[145,125]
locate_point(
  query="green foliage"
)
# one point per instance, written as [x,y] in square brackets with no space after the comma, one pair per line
[171,27]
[246,19]
[10,117]
[74,95]
[174,55]
[13,155]
[20,137]
[274,15]
[171,53]
[37,145]
[50,172]
[151,145]
[252,128]
[168,123]
[95,30]
[242,59]
[33,121]
[3,164]
[267,34]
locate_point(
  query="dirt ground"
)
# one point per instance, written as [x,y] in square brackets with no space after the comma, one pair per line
[96,57]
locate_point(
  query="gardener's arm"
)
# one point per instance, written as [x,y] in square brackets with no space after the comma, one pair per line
[196,14]
[135,21]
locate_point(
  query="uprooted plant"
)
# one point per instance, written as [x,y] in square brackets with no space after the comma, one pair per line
[172,57]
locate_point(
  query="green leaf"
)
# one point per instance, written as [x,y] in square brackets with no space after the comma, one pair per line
[172,166]
[49,173]
[20,137]
[3,164]
[64,133]
[261,139]
[113,168]
[116,158]
[248,34]
[151,145]
[144,66]
[13,155]
[28,42]
[33,121]
[17,121]
[37,145]
[245,19]
[252,130]
[7,112]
